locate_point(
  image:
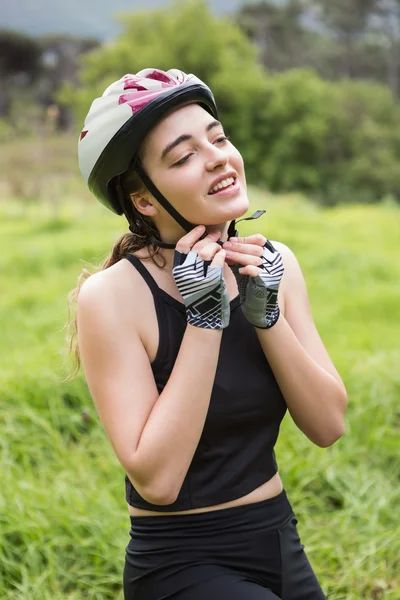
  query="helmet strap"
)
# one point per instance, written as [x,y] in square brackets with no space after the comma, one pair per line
[161,199]
[233,232]
[131,219]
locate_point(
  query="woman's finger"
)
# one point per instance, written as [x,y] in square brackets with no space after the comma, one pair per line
[209,251]
[244,248]
[209,238]
[243,259]
[186,242]
[250,270]
[219,259]
[257,238]
[190,240]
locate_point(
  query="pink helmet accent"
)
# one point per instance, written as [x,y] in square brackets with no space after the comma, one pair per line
[147,84]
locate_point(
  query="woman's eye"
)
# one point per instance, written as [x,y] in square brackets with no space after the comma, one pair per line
[183,160]
[223,138]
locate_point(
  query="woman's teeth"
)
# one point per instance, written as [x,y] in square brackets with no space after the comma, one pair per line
[222,184]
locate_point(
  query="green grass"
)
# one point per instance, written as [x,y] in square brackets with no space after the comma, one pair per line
[63,520]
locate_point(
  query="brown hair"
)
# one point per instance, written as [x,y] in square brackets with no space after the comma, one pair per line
[129,243]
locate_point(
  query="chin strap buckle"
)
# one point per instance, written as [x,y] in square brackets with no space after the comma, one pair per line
[233,232]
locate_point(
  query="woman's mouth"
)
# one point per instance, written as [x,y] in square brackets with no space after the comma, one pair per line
[227,187]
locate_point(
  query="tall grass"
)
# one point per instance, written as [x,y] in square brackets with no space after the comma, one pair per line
[63,519]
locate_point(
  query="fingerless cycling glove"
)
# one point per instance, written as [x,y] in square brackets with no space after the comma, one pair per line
[203,291]
[259,295]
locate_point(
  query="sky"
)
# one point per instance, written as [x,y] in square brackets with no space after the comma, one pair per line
[92,18]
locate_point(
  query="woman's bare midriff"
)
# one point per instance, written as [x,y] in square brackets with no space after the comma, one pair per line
[269,489]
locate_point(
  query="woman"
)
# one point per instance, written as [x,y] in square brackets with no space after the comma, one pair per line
[191,379]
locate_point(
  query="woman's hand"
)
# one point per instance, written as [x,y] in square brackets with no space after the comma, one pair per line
[258,278]
[198,273]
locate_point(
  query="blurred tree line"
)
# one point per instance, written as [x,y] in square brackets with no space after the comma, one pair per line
[32,70]
[307,89]
[357,39]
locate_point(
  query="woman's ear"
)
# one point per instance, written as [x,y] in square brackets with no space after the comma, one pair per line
[144,205]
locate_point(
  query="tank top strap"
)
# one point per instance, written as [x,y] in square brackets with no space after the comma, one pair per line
[139,266]
[159,305]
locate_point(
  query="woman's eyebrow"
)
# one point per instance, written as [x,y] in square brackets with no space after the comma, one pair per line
[184,137]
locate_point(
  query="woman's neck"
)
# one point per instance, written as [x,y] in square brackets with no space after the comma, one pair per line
[168,253]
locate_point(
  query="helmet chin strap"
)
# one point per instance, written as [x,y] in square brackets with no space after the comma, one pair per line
[232,232]
[164,202]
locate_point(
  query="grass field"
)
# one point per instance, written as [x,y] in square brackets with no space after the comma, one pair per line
[63,520]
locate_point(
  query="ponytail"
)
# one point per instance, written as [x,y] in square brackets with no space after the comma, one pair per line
[142,231]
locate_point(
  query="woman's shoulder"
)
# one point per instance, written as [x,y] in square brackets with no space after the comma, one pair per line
[290,261]
[283,249]
[115,303]
[113,288]
[293,278]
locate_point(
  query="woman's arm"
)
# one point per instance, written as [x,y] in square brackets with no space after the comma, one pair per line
[172,431]
[314,392]
[154,436]
[315,398]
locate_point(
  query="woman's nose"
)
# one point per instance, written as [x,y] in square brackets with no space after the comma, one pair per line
[217,158]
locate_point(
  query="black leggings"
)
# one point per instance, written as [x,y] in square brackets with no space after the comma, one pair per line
[250,552]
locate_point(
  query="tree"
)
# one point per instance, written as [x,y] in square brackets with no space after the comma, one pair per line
[277,30]
[60,59]
[19,64]
[359,39]
[348,21]
[386,30]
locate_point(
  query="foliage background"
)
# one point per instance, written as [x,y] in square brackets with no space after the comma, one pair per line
[316,117]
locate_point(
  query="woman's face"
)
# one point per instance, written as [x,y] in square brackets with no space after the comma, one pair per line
[185,155]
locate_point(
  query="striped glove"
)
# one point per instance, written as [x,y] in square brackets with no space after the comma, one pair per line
[203,290]
[259,295]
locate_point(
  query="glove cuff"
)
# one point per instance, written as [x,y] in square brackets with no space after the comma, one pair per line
[270,319]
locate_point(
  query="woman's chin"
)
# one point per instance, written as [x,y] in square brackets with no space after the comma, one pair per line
[237,209]
[229,210]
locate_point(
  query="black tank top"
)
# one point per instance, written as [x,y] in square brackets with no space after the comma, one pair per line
[235,453]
